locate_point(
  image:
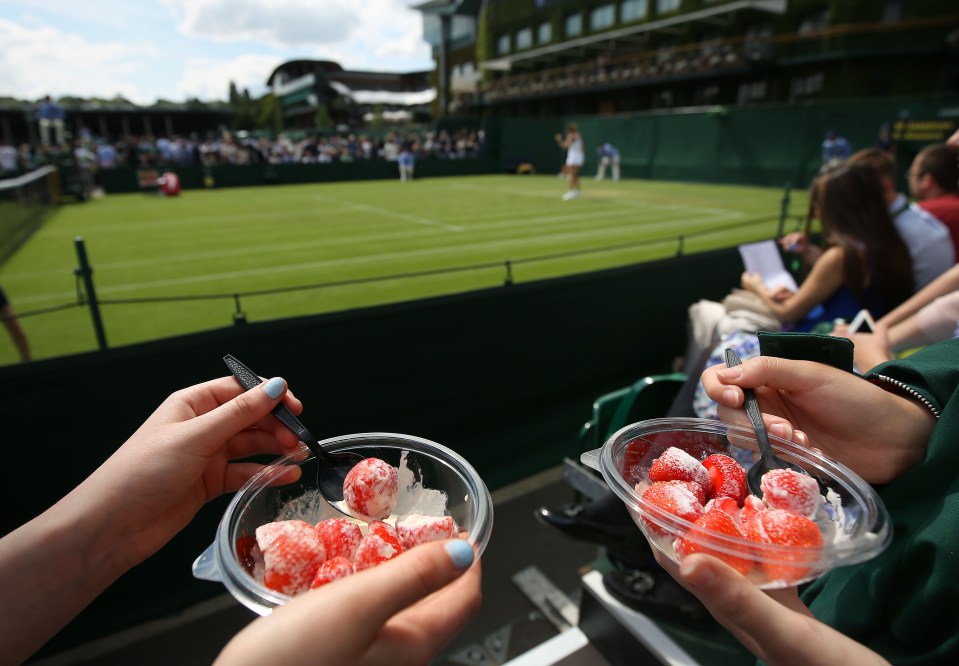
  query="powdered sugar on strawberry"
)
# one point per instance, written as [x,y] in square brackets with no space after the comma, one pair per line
[791,491]
[371,489]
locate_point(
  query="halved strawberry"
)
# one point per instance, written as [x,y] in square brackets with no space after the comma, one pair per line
[674,497]
[336,567]
[374,550]
[677,465]
[751,519]
[292,552]
[788,529]
[414,529]
[386,532]
[726,505]
[727,477]
[791,491]
[706,536]
[340,536]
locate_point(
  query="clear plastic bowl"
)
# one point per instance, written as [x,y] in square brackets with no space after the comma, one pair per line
[856,525]
[434,468]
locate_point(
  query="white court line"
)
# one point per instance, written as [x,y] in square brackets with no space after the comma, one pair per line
[502,246]
[553,222]
[386,212]
[547,221]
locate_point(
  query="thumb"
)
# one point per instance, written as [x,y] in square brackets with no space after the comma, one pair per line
[759,621]
[243,411]
[404,581]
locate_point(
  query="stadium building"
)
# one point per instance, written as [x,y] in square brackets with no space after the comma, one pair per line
[553,57]
[311,89]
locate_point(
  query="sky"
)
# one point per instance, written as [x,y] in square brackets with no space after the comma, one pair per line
[144,50]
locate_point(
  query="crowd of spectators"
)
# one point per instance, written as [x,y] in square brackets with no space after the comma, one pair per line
[605,70]
[243,148]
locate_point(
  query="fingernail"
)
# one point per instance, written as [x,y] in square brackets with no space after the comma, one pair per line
[801,436]
[694,573]
[779,430]
[274,387]
[730,396]
[734,372]
[460,552]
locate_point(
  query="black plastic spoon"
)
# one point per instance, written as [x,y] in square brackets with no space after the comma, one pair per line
[767,459]
[332,468]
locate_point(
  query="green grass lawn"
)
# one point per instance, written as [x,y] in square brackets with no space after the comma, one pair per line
[221,242]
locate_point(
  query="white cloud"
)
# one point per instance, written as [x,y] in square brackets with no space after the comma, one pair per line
[390,40]
[209,79]
[283,23]
[38,59]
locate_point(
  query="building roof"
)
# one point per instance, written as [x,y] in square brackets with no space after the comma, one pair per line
[449,7]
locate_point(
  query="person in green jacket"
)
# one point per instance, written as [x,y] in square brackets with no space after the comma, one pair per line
[897,428]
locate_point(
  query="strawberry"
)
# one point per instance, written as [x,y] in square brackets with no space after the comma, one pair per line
[386,532]
[340,536]
[370,489]
[788,529]
[706,536]
[727,478]
[675,498]
[751,519]
[726,505]
[374,549]
[677,465]
[791,491]
[292,551]
[697,444]
[336,567]
[414,530]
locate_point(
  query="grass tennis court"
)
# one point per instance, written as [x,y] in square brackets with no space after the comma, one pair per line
[272,245]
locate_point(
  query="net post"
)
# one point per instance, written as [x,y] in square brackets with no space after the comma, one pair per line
[85,272]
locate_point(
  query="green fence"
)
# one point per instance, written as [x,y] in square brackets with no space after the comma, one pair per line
[768,146]
[125,179]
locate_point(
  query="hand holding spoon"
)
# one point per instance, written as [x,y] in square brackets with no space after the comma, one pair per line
[332,468]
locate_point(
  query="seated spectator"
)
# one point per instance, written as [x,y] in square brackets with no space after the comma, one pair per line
[931,315]
[865,265]
[934,182]
[928,239]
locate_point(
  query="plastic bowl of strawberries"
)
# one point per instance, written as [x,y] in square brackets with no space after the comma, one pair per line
[684,483]
[278,539]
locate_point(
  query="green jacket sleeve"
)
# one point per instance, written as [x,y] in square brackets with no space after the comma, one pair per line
[904,604]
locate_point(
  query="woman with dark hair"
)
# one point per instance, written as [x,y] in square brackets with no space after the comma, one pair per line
[865,263]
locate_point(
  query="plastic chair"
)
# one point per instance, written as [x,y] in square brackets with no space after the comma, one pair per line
[647,398]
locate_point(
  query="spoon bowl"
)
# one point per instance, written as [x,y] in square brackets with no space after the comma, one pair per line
[332,468]
[768,460]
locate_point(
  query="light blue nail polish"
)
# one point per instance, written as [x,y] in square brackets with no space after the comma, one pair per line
[460,552]
[274,387]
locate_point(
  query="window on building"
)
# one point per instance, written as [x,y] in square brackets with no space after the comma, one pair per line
[666,6]
[574,25]
[544,34]
[751,92]
[632,10]
[806,86]
[813,22]
[892,11]
[502,45]
[524,38]
[602,17]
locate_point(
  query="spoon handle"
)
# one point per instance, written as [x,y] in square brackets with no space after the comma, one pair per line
[248,379]
[753,412]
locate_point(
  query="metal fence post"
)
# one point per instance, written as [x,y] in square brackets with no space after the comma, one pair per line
[784,211]
[85,272]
